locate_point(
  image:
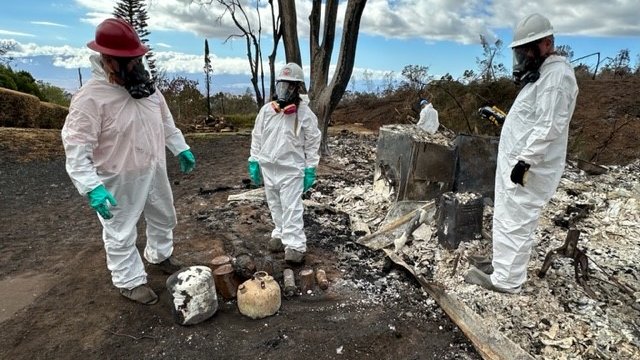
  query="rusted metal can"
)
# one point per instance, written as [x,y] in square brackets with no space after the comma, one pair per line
[321,279]
[289,283]
[218,261]
[226,281]
[307,280]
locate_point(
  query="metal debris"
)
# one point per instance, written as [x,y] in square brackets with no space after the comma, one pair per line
[607,326]
[580,261]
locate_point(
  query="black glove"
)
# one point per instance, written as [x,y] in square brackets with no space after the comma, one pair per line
[519,172]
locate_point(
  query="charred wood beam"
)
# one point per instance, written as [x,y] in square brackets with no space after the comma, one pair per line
[377,244]
[580,261]
[491,344]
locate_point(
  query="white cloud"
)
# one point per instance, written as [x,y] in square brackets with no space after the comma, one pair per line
[432,20]
[362,73]
[197,16]
[170,15]
[71,57]
[15,33]
[179,62]
[573,17]
[47,23]
[97,7]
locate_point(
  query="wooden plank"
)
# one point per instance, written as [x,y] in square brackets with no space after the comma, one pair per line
[370,240]
[490,343]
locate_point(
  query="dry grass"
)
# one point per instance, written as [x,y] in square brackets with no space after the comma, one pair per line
[24,145]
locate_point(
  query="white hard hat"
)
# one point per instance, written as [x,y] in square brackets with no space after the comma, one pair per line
[531,28]
[291,72]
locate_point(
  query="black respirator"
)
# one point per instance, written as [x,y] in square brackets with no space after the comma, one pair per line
[287,96]
[137,79]
[526,64]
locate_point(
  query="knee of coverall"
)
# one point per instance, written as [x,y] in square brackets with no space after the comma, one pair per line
[292,214]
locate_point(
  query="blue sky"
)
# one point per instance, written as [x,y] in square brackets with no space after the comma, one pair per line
[443,35]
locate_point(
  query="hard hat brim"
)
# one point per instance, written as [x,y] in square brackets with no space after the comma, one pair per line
[287,78]
[530,39]
[139,51]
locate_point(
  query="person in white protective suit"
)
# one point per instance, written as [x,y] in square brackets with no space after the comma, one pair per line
[114,139]
[531,153]
[428,117]
[285,144]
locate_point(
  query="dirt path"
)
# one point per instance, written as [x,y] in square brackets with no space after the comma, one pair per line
[63,305]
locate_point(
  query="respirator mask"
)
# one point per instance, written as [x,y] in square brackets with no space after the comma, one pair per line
[136,77]
[526,63]
[287,93]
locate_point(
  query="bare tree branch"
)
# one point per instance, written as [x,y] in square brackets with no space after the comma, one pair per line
[276,30]
[254,53]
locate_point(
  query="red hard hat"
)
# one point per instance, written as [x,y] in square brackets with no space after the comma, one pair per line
[117,37]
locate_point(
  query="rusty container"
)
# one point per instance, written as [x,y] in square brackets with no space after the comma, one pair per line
[226,281]
[289,283]
[321,279]
[459,218]
[218,261]
[307,280]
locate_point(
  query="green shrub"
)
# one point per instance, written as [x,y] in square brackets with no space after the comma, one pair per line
[51,116]
[241,120]
[18,109]
[54,94]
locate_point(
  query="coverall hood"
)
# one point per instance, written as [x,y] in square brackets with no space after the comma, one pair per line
[97,71]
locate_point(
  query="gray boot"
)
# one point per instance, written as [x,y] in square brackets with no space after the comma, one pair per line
[170,265]
[275,245]
[481,262]
[478,277]
[293,256]
[142,294]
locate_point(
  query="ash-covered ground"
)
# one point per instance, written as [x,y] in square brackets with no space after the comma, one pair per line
[554,317]
[58,301]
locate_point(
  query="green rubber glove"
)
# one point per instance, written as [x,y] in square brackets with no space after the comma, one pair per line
[187,161]
[254,172]
[309,178]
[98,199]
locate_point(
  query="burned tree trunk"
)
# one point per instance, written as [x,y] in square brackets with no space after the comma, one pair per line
[276,28]
[324,96]
[289,20]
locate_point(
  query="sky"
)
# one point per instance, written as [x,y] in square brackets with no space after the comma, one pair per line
[443,35]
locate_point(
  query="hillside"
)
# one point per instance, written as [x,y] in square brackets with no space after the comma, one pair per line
[605,126]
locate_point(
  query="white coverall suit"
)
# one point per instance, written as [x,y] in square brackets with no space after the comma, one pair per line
[535,131]
[283,153]
[429,119]
[110,138]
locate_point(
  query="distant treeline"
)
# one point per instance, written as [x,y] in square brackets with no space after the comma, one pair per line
[22,81]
